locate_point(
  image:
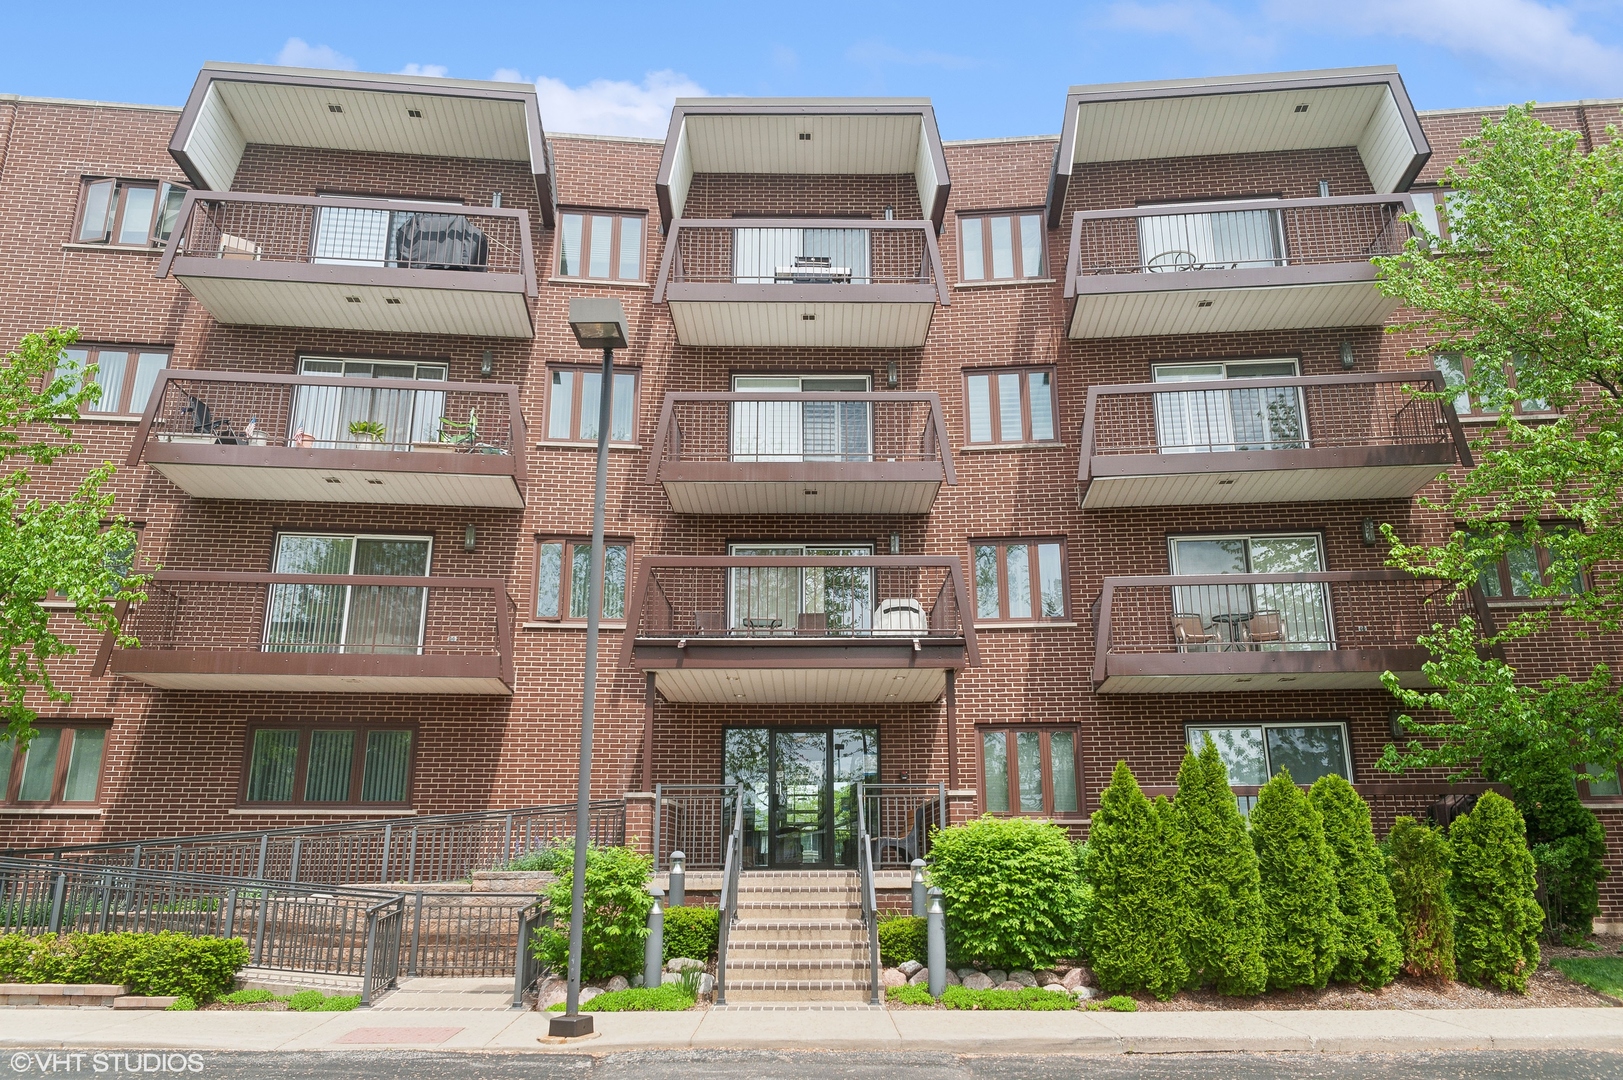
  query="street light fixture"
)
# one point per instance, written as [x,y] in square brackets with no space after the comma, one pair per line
[598,324]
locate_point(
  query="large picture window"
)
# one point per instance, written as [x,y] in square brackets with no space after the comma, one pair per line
[63,764]
[1027,769]
[1254,753]
[1019,579]
[605,246]
[1499,384]
[1524,568]
[563,578]
[328,766]
[573,397]
[1010,405]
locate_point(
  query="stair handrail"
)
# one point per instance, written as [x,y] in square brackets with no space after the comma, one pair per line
[729,892]
[870,901]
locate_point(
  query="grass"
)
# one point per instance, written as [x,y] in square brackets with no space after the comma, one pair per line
[1602,974]
[909,995]
[668,997]
[1029,999]
[1119,1003]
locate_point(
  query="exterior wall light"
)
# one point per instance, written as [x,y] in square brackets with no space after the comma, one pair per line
[1369,532]
[487,364]
[1347,358]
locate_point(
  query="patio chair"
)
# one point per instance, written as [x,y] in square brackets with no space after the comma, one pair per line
[1264,627]
[813,622]
[237,247]
[902,617]
[1190,630]
[915,843]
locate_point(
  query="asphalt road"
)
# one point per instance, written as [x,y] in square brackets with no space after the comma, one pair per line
[815,1065]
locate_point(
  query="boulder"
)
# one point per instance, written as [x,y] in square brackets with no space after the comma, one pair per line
[997,977]
[707,983]
[909,967]
[587,993]
[619,982]
[682,963]
[1024,978]
[669,977]
[1076,977]
[1085,992]
[892,977]
[1011,985]
[966,972]
[1046,976]
[921,977]
[1056,988]
[551,991]
[975,980]
[953,979]
[636,980]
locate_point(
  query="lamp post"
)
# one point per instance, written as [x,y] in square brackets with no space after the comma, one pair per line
[598,324]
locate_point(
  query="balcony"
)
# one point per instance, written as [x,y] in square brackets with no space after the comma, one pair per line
[813,283]
[1266,440]
[1259,264]
[355,264]
[801,453]
[304,438]
[771,628]
[332,633]
[1239,632]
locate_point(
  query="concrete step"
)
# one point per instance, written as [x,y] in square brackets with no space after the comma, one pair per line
[798,909]
[841,949]
[846,930]
[824,967]
[808,892]
[747,990]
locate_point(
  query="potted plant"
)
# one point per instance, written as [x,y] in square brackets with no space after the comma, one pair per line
[446,443]
[369,428]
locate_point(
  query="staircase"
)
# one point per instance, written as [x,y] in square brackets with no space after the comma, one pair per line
[799,937]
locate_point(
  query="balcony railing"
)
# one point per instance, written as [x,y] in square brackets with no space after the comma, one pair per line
[1145,432]
[800,256]
[341,632]
[1340,628]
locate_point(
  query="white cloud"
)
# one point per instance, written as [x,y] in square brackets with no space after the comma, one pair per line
[507,75]
[1205,24]
[610,106]
[433,71]
[300,53]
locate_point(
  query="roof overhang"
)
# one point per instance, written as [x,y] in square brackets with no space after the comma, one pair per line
[1367,108]
[848,136]
[232,105]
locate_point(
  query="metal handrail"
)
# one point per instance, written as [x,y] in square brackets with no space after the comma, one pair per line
[526,968]
[870,900]
[729,894]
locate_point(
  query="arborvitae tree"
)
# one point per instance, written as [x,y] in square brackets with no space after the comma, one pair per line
[1301,921]
[1136,868]
[1371,948]
[1419,870]
[1223,932]
[1568,845]
[1496,918]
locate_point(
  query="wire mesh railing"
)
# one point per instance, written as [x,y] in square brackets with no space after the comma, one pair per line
[692,819]
[901,820]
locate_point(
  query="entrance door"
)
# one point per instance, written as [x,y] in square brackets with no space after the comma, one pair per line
[800,792]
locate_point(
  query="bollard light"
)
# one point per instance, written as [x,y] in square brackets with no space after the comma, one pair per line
[679,884]
[936,944]
[653,949]
[918,886]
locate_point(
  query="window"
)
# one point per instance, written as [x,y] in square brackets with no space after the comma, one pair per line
[348,618]
[1019,579]
[61,765]
[1255,752]
[567,596]
[1289,616]
[1210,239]
[1499,385]
[1010,405]
[328,417]
[1244,418]
[801,431]
[1524,568]
[336,766]
[1030,770]
[802,256]
[573,396]
[605,246]
[813,600]
[1592,786]
[128,213]
[1001,247]
[125,374]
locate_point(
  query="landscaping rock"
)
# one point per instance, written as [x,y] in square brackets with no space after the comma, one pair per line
[551,991]
[636,980]
[1056,988]
[966,972]
[707,983]
[1085,992]
[997,977]
[1024,978]
[1011,985]
[682,963]
[953,979]
[587,993]
[909,967]
[920,977]
[975,980]
[668,978]
[1045,976]
[1077,977]
[892,977]
[619,982]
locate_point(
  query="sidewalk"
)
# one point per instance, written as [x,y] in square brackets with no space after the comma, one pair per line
[826,1029]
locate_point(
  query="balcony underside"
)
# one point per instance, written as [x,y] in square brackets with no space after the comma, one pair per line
[1279,298]
[792,487]
[815,670]
[330,673]
[292,474]
[841,316]
[1219,672]
[247,293]
[1263,476]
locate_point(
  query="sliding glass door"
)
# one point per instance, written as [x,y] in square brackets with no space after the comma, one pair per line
[363,417]
[1290,616]
[1242,418]
[789,599]
[800,256]
[802,430]
[347,618]
[1210,239]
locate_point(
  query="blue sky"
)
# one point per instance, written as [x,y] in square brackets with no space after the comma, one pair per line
[992,69]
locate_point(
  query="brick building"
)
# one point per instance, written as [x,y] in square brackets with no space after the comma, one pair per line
[894,490]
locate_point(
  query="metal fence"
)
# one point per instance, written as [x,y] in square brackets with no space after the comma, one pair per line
[692,819]
[788,251]
[431,848]
[900,819]
[760,426]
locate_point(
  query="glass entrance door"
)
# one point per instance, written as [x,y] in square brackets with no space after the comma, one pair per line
[800,792]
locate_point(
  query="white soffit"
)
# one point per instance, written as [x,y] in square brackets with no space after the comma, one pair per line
[849,144]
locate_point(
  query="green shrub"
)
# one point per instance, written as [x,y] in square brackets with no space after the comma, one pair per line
[1301,918]
[1223,924]
[616,923]
[1027,999]
[160,965]
[1119,1003]
[1135,866]
[1496,918]
[903,938]
[667,997]
[542,858]
[1568,848]
[1371,947]
[306,1001]
[182,1003]
[691,932]
[1419,871]
[1012,895]
[911,994]
[247,997]
[339,1003]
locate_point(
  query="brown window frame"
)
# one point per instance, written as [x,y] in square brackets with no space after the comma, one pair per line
[162,191]
[1586,795]
[1045,731]
[985,217]
[1033,562]
[566,580]
[996,416]
[1507,595]
[125,409]
[586,214]
[576,413]
[301,768]
[11,781]
[1475,411]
